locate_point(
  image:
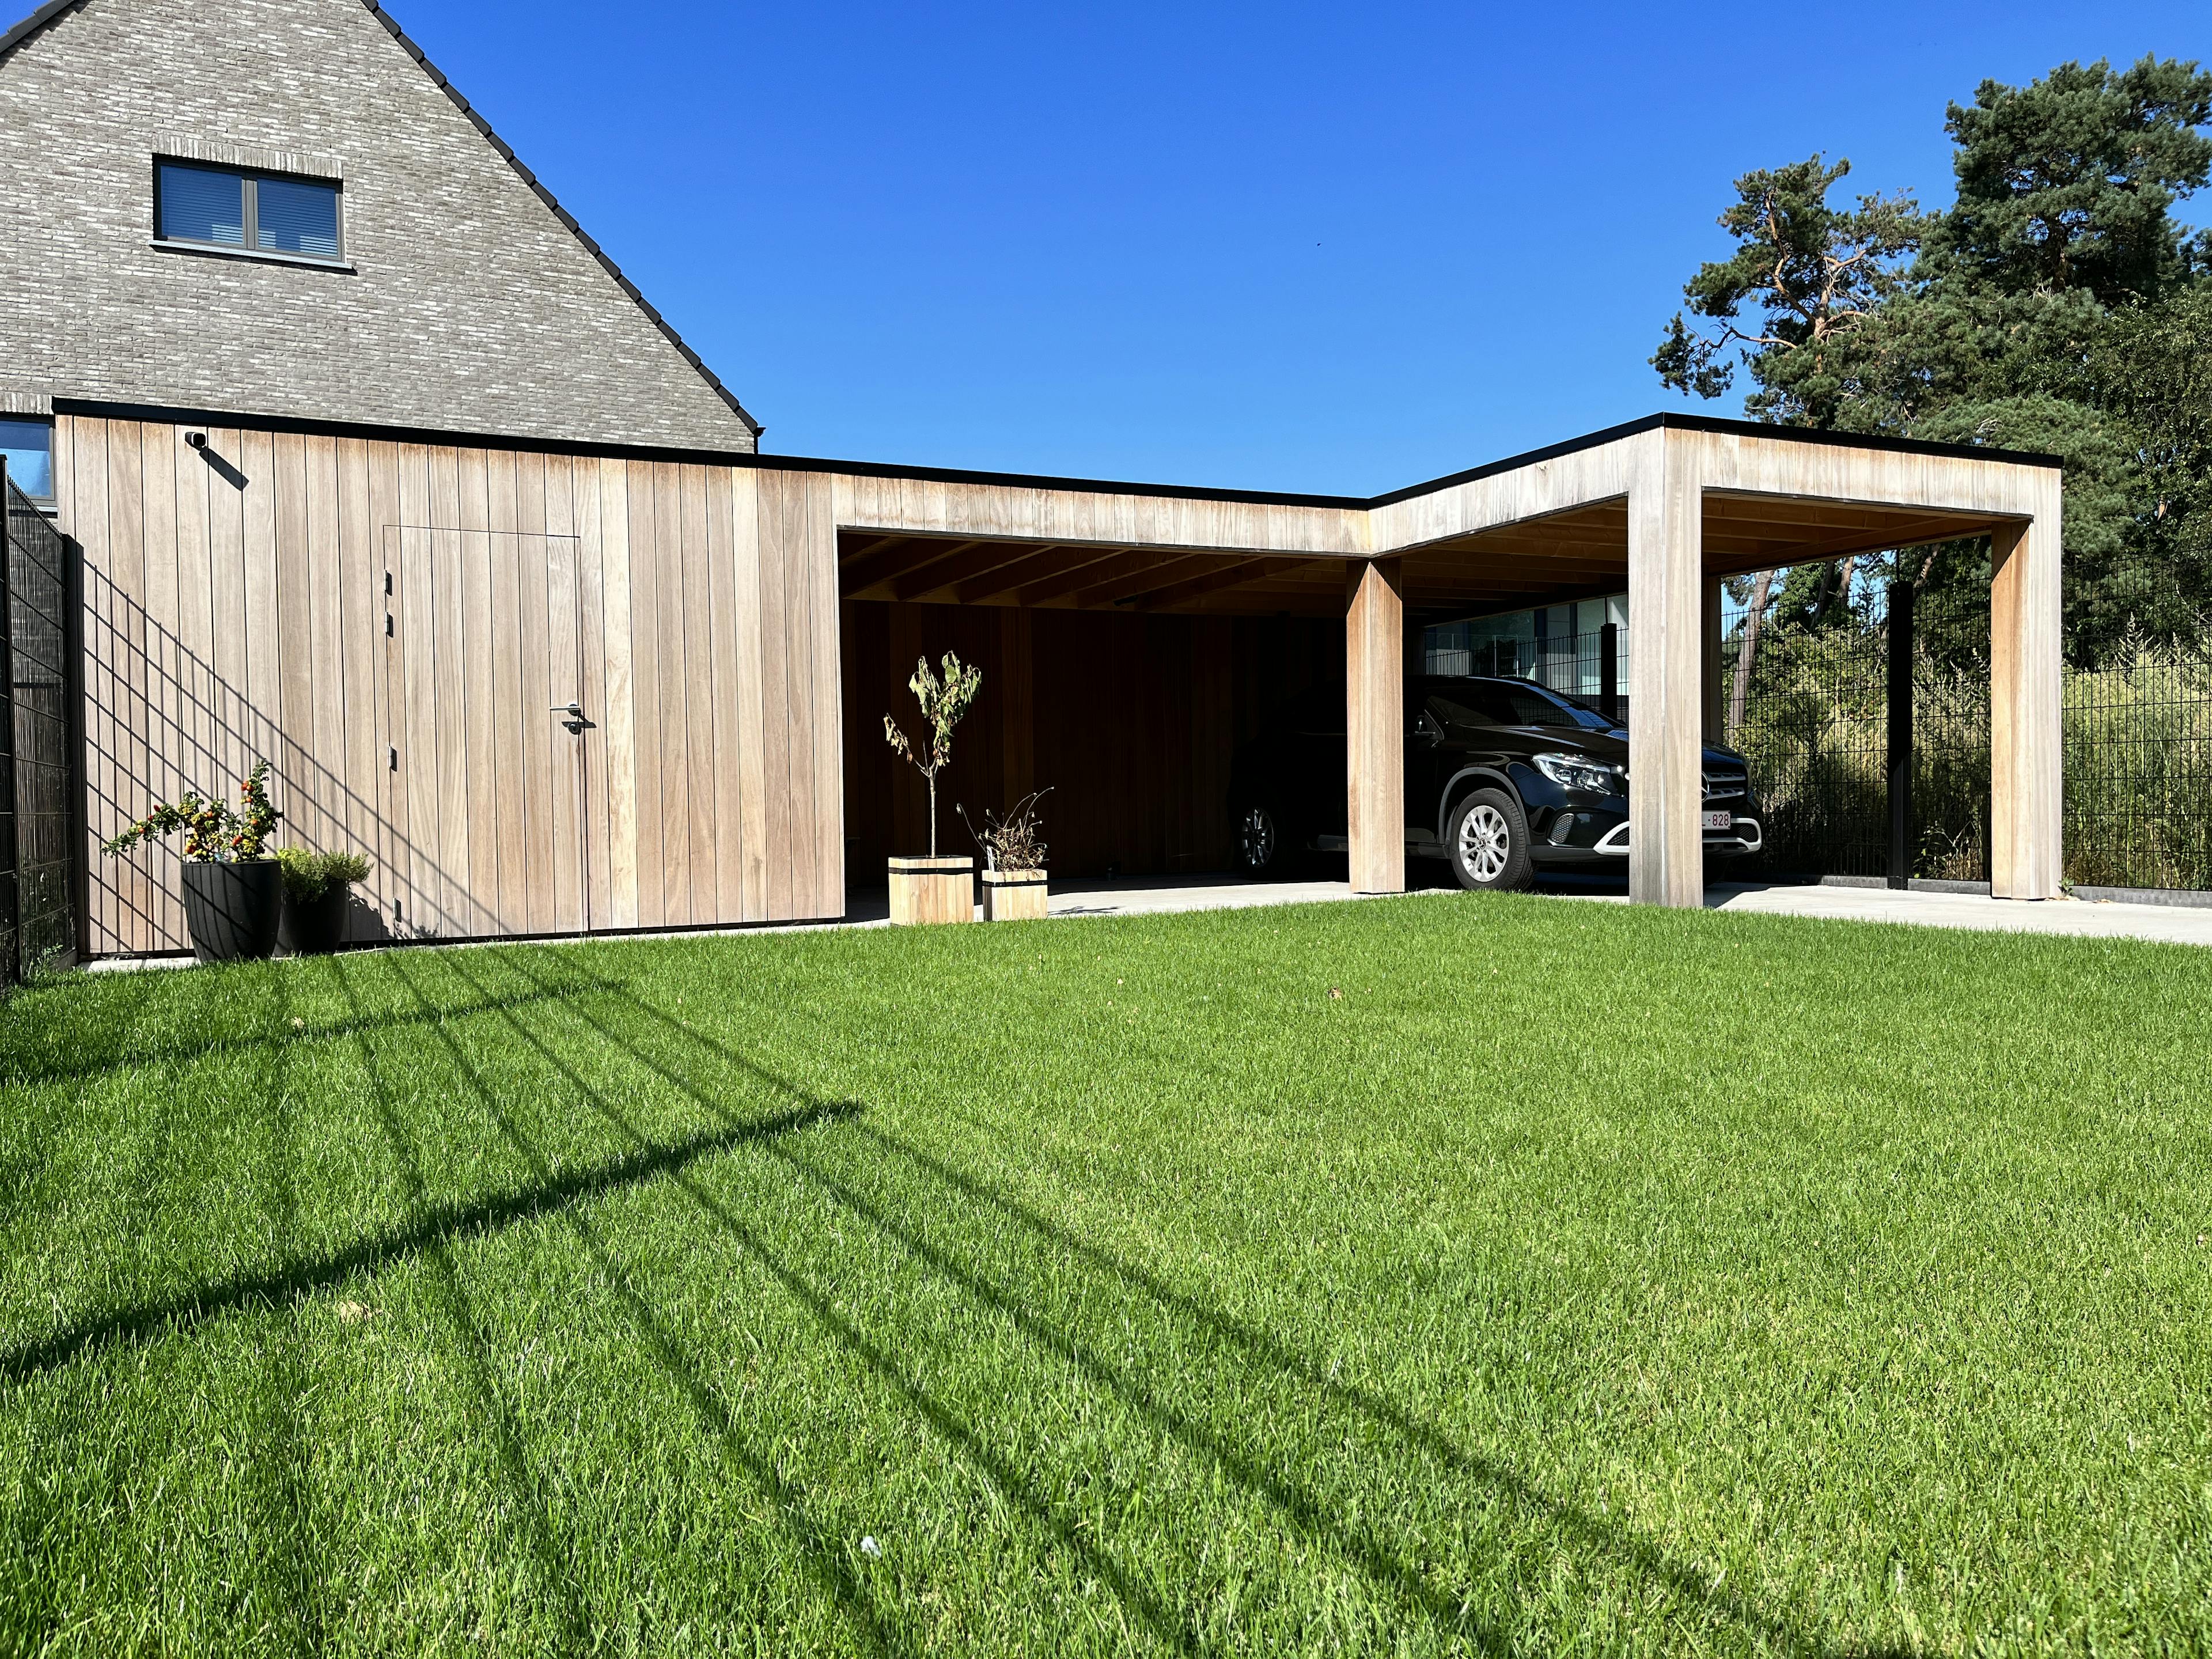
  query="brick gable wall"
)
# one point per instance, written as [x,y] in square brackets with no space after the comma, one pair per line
[472,307]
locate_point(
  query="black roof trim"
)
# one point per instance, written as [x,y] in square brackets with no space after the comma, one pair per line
[1727,428]
[95,408]
[507,154]
[54,10]
[407,434]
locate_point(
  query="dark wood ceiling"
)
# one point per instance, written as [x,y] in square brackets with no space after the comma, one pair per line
[949,570]
[1573,555]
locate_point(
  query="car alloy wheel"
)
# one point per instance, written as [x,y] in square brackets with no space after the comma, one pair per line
[1485,843]
[1255,839]
[1489,840]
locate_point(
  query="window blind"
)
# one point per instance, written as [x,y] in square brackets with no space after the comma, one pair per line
[291,216]
[201,204]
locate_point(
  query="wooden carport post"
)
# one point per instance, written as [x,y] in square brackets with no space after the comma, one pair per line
[2027,728]
[1375,725]
[1667,625]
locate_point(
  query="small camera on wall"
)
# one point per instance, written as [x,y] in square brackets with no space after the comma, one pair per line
[197,440]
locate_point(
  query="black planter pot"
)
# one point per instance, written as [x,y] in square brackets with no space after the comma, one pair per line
[315,928]
[232,909]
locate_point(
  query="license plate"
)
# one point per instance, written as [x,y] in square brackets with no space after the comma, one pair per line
[1719,821]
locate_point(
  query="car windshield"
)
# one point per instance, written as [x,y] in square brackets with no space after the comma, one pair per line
[1513,702]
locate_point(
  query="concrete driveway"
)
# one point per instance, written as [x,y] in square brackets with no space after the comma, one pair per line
[2176,924]
[2173,924]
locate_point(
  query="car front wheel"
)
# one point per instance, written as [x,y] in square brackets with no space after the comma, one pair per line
[1260,843]
[1489,842]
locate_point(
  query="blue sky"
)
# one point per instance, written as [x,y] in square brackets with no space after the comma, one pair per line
[1296,247]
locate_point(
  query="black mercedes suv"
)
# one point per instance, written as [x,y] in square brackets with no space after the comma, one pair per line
[1503,778]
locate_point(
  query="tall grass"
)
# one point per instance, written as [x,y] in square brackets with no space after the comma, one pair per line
[2138,760]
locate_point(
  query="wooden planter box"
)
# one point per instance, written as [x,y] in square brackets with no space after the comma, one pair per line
[933,890]
[1014,894]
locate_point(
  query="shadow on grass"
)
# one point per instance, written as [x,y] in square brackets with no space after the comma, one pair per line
[446,1279]
[1140,1601]
[30,1125]
[277,1464]
[115,1056]
[823,1553]
[1307,1513]
[1590,1534]
[436,1224]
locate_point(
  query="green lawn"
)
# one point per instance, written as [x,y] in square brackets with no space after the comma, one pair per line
[1579,1279]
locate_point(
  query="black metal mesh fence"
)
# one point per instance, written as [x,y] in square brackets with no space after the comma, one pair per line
[2138,759]
[2139,771]
[1812,720]
[38,790]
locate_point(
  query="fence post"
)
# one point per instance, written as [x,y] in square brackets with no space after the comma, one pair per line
[79,785]
[11,862]
[1608,671]
[1900,734]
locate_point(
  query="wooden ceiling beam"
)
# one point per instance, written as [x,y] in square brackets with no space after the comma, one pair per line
[851,548]
[941,573]
[1496,558]
[911,553]
[1242,573]
[1614,544]
[1118,562]
[1514,564]
[1834,516]
[1836,547]
[1128,586]
[1009,579]
[1505,582]
[1039,566]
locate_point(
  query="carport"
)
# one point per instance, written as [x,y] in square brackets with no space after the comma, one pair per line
[1132,635]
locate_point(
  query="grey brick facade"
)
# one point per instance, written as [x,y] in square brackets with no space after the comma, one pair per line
[472,307]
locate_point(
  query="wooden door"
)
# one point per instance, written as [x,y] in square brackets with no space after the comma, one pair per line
[491,773]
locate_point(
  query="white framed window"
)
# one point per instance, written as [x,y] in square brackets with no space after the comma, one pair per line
[197,204]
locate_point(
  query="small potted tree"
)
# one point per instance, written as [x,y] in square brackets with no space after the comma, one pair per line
[317,893]
[934,888]
[1013,861]
[233,894]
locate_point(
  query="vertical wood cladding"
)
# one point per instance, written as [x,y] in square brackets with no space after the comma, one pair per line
[235,611]
[1132,722]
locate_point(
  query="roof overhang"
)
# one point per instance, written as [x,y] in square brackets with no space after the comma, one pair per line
[1543,527]
[1547,526]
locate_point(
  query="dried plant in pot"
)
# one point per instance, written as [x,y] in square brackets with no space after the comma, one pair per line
[1014,886]
[935,887]
[233,891]
[318,896]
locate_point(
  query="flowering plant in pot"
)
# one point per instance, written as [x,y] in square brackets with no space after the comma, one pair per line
[1014,887]
[934,888]
[317,892]
[233,894]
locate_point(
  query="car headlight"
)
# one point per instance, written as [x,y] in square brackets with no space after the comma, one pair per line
[1579,772]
